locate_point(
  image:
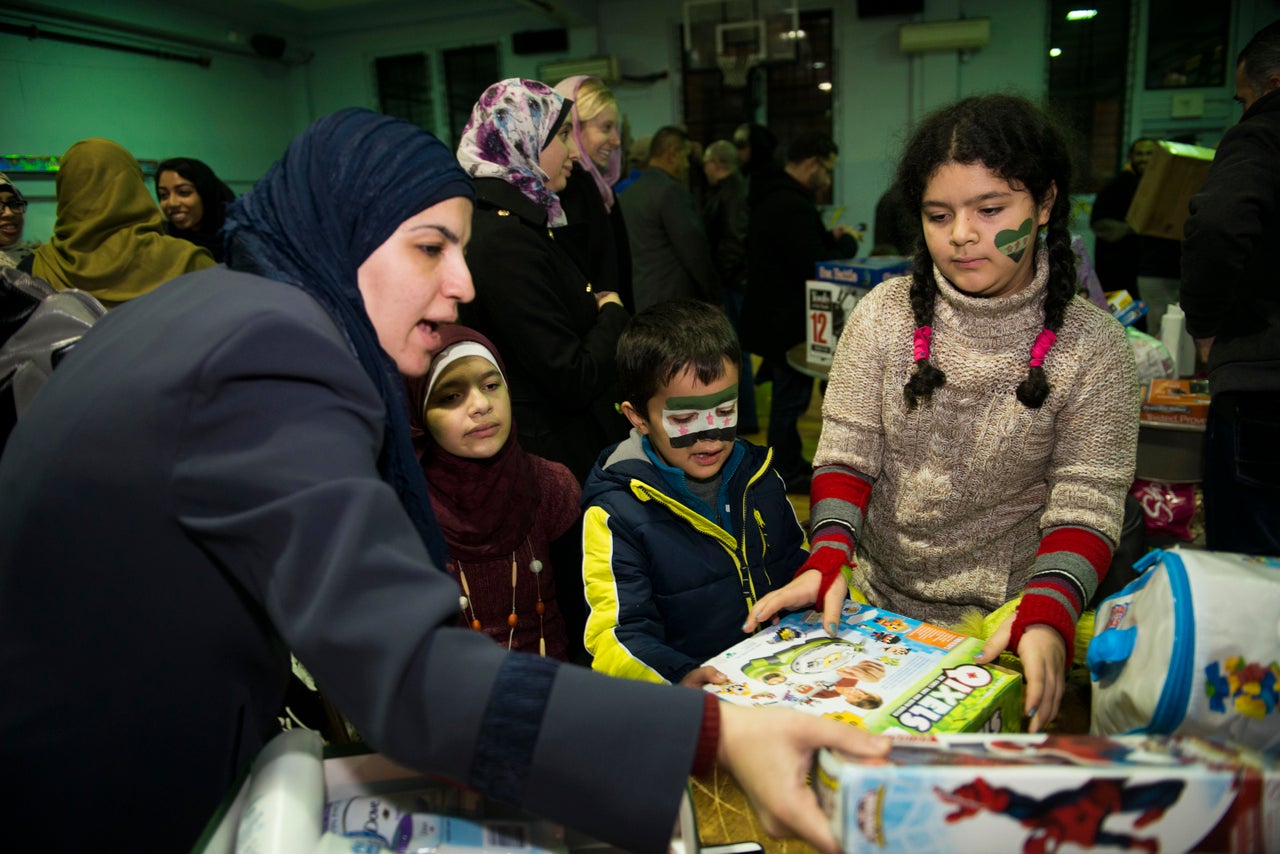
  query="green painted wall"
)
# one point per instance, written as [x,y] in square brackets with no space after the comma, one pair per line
[237,115]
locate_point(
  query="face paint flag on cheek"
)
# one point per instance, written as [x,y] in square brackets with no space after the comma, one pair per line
[1014,243]
[712,417]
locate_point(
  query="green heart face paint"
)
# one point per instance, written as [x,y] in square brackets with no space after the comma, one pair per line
[689,420]
[1015,243]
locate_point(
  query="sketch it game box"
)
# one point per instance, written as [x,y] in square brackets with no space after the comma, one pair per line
[883,671]
[1053,793]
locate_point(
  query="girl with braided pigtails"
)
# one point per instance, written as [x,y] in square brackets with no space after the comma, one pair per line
[980,425]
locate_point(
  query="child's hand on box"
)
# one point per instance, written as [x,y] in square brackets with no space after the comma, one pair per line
[1044,666]
[802,592]
[704,675]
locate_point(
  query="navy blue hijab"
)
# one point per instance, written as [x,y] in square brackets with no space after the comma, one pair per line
[341,189]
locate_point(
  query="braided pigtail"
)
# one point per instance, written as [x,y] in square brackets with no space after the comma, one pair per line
[924,291]
[1060,290]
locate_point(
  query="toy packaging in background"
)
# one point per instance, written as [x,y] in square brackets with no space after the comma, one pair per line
[1125,308]
[827,306]
[863,272]
[1087,281]
[1174,401]
[1051,793]
[1150,355]
[831,295]
[883,672]
[1192,646]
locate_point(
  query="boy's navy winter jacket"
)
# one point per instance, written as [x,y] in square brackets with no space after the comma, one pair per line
[667,586]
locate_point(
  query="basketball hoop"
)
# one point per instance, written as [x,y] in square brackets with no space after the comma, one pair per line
[735,67]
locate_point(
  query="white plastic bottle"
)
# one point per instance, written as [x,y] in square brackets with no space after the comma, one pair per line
[1173,334]
[286,796]
[335,843]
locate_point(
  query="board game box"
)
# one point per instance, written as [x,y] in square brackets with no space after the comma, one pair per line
[883,671]
[1048,793]
[1174,401]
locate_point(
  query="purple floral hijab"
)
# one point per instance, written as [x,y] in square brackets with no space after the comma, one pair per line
[509,126]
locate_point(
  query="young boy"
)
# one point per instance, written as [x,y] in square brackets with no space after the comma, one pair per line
[686,525]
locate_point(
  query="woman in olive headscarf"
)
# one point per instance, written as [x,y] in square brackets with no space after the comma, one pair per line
[109,236]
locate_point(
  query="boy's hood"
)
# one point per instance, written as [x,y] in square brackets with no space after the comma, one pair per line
[618,466]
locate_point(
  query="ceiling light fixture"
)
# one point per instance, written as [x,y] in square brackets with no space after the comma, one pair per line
[1082,14]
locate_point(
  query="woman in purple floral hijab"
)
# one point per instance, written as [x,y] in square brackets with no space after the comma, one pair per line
[517,132]
[557,333]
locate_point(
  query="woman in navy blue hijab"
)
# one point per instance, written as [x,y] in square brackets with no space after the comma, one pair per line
[321,212]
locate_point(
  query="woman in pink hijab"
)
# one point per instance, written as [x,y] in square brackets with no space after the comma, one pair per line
[596,236]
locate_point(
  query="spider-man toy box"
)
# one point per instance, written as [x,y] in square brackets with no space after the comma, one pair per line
[1050,793]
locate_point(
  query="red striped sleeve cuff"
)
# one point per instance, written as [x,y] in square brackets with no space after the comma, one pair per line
[704,759]
[1070,564]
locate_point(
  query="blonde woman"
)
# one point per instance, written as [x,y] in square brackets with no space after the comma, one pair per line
[596,236]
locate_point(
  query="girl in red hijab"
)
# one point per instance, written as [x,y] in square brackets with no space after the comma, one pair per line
[499,507]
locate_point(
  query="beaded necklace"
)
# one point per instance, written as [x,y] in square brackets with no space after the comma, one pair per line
[513,620]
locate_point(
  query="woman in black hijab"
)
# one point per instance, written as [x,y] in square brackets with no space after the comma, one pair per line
[194,202]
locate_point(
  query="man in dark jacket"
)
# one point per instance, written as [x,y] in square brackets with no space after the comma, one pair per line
[725,213]
[786,238]
[670,256]
[1231,296]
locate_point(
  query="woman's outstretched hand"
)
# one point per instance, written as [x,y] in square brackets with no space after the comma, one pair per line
[770,753]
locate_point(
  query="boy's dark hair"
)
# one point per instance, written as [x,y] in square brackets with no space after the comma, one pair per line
[1261,56]
[813,144]
[668,337]
[1018,142]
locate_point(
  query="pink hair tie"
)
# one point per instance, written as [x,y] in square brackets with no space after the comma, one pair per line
[923,335]
[1040,348]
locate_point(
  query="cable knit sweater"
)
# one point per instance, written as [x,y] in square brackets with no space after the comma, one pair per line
[964,487]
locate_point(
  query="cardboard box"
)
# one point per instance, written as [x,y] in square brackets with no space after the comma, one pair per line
[1167,401]
[1025,793]
[884,672]
[1175,173]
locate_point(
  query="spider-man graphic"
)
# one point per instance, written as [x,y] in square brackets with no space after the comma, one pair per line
[1074,815]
